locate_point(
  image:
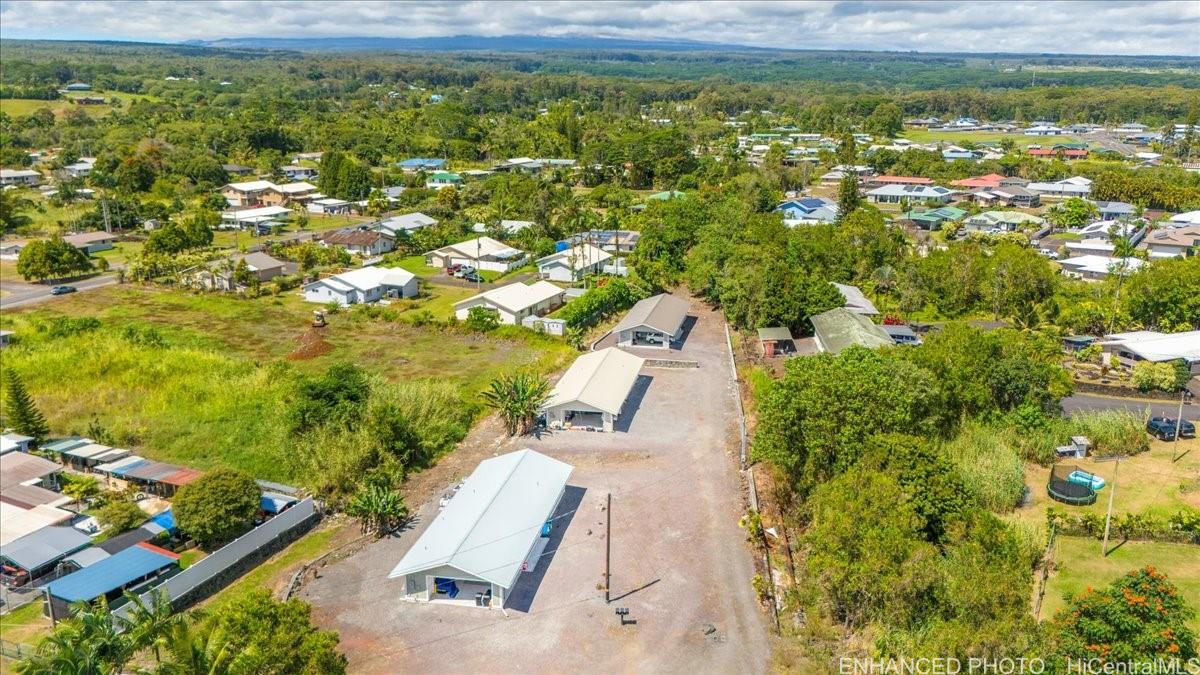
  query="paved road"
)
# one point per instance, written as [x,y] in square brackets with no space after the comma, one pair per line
[1110,141]
[32,294]
[1086,402]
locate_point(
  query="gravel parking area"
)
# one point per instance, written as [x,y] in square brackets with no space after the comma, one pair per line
[680,564]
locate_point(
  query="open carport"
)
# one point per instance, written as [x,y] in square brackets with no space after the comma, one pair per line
[655,322]
[593,391]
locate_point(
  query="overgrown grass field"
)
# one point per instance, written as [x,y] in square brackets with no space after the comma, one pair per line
[209,386]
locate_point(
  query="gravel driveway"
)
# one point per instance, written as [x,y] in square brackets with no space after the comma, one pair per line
[680,564]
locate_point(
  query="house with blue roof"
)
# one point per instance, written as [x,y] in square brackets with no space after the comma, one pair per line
[808,211]
[130,569]
[415,164]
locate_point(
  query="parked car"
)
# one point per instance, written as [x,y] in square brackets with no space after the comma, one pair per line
[463,271]
[1164,428]
[62,290]
[452,270]
[472,276]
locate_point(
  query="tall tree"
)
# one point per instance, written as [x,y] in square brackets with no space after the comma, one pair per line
[849,198]
[21,412]
[218,506]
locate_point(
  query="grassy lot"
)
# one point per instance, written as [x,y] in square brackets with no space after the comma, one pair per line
[958,137]
[121,253]
[24,625]
[215,393]
[1080,565]
[416,265]
[1146,483]
[17,107]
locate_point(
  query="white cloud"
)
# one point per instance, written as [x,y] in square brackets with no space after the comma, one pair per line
[1154,27]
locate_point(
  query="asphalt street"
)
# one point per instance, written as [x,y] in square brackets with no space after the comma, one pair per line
[1086,402]
[32,294]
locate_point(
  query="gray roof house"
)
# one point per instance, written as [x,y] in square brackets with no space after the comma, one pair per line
[653,322]
[841,328]
[1115,210]
[37,553]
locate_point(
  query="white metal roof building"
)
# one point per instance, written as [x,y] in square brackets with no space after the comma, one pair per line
[482,253]
[574,263]
[1099,266]
[856,301]
[653,322]
[514,302]
[491,530]
[592,393]
[251,217]
[367,284]
[405,223]
[1149,345]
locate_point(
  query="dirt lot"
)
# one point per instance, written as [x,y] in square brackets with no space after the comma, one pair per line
[680,563]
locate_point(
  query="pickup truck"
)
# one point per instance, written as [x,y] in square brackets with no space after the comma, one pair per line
[1164,428]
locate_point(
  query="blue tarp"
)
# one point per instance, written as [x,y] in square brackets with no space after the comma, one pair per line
[273,502]
[165,520]
[126,469]
[112,573]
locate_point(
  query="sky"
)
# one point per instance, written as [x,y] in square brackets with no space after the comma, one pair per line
[1082,27]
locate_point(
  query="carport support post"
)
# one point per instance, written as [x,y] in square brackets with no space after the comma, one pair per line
[608,550]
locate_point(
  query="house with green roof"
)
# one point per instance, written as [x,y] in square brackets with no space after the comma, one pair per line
[932,219]
[839,328]
[665,196]
[1003,221]
[442,179]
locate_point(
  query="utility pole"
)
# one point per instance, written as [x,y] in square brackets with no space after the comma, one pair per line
[107,221]
[1111,495]
[608,551]
[1178,426]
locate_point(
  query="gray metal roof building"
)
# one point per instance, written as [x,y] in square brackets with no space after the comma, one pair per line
[653,322]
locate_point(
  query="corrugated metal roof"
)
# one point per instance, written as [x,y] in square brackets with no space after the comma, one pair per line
[840,328]
[663,312]
[87,557]
[490,524]
[119,465]
[44,546]
[153,471]
[182,477]
[66,444]
[601,379]
[112,573]
[19,467]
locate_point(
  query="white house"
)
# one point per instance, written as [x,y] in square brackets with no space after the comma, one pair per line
[1148,345]
[81,168]
[593,391]
[895,194]
[482,253]
[19,177]
[11,249]
[329,206]
[495,527]
[1044,130]
[653,322]
[1186,218]
[242,218]
[368,284]
[297,172]
[1098,266]
[514,302]
[574,263]
[245,193]
[407,222]
[505,226]
[91,242]
[1076,186]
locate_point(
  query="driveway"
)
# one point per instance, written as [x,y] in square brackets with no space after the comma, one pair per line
[680,564]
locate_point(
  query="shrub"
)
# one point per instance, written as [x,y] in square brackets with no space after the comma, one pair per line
[990,466]
[481,320]
[120,515]
[1149,376]
[217,506]
[601,302]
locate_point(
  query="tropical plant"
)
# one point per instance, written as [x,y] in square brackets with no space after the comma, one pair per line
[518,398]
[378,507]
[80,488]
[149,624]
[87,643]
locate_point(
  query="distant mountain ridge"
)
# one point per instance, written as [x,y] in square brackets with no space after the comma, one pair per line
[458,43]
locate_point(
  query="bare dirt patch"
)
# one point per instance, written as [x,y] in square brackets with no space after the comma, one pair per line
[310,344]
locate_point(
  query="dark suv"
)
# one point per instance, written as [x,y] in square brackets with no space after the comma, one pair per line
[1164,428]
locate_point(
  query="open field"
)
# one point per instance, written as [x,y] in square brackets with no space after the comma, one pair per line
[213,393]
[19,107]
[959,137]
[1080,565]
[24,625]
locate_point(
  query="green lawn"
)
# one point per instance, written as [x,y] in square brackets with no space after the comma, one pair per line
[268,575]
[415,264]
[958,137]
[24,625]
[17,107]
[1080,565]
[215,395]
[121,253]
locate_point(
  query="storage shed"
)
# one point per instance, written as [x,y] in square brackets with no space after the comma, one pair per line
[495,527]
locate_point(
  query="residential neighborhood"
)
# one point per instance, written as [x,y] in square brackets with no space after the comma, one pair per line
[643,337]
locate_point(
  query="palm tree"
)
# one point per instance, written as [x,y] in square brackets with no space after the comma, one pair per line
[196,647]
[1123,249]
[885,280]
[377,507]
[518,398]
[87,643]
[149,624]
